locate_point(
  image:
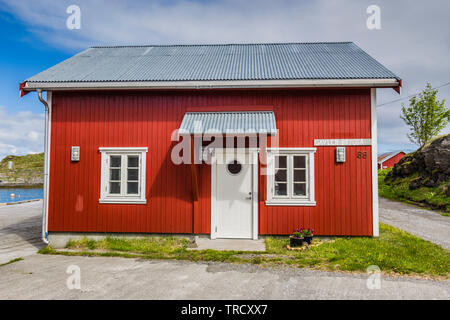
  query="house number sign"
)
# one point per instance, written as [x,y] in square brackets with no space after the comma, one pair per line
[361,155]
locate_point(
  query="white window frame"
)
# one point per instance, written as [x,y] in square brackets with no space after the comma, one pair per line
[290,199]
[105,196]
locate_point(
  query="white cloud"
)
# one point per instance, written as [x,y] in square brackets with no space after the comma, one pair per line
[413,40]
[21,133]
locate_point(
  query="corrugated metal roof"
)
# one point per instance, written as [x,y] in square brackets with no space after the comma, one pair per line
[228,122]
[386,156]
[278,61]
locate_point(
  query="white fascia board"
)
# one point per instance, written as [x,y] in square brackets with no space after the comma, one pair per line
[130,85]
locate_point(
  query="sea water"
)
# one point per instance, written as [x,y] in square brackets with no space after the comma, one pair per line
[20,194]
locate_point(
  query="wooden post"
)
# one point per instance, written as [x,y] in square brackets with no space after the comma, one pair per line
[194,172]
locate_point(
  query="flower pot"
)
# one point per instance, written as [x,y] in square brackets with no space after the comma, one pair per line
[295,242]
[308,239]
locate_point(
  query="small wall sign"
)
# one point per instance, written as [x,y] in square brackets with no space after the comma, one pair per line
[340,154]
[361,155]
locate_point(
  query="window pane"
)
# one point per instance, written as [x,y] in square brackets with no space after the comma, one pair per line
[281,175]
[114,187]
[299,162]
[133,161]
[133,174]
[299,189]
[299,175]
[132,187]
[280,189]
[114,174]
[115,161]
[280,161]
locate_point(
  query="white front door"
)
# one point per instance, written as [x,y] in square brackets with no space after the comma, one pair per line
[234,205]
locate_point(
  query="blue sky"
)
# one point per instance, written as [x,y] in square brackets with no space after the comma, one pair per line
[412,42]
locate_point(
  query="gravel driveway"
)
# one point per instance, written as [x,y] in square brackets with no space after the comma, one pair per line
[422,223]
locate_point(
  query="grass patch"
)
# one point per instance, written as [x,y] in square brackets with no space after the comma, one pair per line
[429,197]
[150,245]
[11,261]
[394,251]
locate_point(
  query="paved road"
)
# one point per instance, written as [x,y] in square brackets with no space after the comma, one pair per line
[422,223]
[45,277]
[20,230]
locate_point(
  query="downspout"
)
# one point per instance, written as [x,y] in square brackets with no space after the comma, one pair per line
[46,161]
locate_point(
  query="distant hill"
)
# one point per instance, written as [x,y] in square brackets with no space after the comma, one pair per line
[22,171]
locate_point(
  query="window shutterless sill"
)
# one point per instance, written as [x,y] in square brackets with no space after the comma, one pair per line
[292,204]
[122,201]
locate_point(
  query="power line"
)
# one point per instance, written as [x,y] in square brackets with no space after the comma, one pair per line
[410,96]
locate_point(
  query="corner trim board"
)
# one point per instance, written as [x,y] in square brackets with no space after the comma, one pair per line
[375,217]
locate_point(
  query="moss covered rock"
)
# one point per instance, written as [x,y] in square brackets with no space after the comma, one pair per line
[431,164]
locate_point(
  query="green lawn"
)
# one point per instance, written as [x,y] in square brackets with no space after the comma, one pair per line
[428,197]
[394,251]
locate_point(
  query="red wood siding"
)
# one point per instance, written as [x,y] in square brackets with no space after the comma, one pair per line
[147,119]
[390,162]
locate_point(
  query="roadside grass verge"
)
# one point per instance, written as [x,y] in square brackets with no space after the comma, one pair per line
[428,198]
[394,251]
[11,261]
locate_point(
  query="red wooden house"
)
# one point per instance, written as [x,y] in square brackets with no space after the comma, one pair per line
[388,159]
[231,141]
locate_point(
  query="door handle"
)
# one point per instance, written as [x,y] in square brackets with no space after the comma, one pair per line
[249,198]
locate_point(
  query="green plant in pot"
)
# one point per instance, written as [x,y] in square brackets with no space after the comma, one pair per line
[296,239]
[307,234]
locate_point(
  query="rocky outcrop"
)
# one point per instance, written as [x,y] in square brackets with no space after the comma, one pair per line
[30,181]
[431,164]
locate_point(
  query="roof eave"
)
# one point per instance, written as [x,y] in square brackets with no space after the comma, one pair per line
[225,84]
[390,157]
